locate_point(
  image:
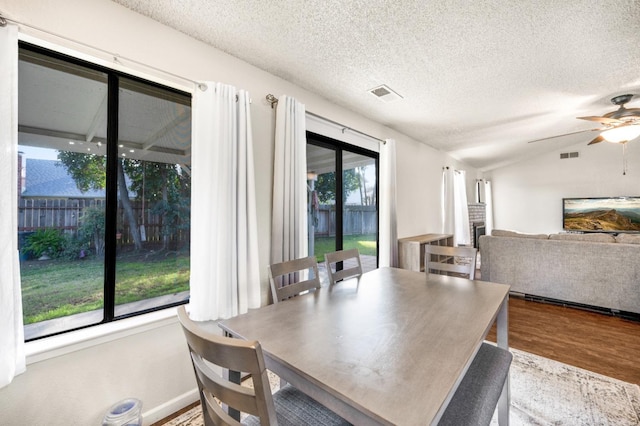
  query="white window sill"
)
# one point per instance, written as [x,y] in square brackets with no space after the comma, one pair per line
[49,347]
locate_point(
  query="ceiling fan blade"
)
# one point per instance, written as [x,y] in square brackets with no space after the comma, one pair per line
[598,139]
[603,120]
[564,134]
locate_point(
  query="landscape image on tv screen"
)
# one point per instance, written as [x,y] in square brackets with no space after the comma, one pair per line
[615,214]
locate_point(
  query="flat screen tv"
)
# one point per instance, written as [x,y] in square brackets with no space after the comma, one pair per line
[613,214]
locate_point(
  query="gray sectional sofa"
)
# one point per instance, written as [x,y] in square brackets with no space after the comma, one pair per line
[593,270]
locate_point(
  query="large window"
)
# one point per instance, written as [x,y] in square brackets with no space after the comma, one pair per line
[343,199]
[104,193]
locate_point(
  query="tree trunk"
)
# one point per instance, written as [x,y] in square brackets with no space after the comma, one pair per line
[365,200]
[98,238]
[165,202]
[128,209]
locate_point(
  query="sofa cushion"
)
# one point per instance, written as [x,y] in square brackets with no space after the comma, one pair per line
[597,237]
[504,233]
[628,238]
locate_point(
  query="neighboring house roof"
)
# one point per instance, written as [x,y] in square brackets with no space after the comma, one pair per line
[49,178]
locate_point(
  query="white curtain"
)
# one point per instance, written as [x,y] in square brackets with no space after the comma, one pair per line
[448,224]
[455,209]
[225,279]
[461,208]
[12,358]
[488,205]
[388,255]
[289,239]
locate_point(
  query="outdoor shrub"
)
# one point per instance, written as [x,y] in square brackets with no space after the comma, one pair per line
[47,241]
[75,247]
[91,229]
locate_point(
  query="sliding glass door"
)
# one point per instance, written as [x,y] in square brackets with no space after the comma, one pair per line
[343,199]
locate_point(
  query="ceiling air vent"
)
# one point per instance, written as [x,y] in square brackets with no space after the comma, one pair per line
[564,155]
[384,93]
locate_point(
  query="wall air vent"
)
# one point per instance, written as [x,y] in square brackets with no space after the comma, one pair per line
[384,93]
[565,155]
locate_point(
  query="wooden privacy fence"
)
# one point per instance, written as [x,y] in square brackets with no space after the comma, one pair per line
[65,213]
[357,220]
[59,213]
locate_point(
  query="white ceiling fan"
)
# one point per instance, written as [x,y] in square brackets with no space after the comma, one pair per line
[619,126]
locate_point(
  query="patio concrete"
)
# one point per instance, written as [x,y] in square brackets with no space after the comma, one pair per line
[57,325]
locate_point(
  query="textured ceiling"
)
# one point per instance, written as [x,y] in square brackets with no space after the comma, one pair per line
[479,79]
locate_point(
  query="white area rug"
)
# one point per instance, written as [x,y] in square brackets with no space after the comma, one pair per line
[545,392]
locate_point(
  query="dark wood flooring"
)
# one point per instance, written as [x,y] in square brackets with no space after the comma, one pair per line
[597,342]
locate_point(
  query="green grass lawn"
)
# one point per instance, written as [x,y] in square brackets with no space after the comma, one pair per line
[366,245]
[57,288]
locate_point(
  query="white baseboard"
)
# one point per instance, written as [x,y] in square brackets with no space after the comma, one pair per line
[158,413]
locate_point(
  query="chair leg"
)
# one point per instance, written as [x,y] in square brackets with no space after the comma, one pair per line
[235,377]
[283,383]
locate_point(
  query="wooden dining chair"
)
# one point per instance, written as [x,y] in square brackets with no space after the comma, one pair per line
[287,279]
[455,261]
[286,407]
[351,265]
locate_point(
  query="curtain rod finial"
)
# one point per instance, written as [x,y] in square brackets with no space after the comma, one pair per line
[272,100]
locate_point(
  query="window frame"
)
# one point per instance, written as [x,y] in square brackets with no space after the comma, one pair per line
[111,201]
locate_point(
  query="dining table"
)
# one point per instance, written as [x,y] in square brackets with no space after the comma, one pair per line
[389,347]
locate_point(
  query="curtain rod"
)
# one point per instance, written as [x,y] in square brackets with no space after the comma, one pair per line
[273,100]
[116,57]
[454,170]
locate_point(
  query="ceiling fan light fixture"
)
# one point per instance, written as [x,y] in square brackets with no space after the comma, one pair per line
[621,134]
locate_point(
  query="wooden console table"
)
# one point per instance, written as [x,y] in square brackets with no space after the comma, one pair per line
[411,249]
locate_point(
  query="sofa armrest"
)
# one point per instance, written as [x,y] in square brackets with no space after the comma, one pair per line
[484,243]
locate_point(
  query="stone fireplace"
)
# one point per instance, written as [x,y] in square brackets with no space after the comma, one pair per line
[477,217]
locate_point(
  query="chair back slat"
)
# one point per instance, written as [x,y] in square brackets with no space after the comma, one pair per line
[351,265]
[290,278]
[445,260]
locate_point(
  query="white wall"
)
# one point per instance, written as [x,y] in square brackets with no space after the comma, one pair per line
[77,388]
[419,183]
[528,196]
